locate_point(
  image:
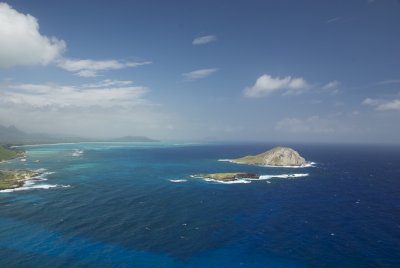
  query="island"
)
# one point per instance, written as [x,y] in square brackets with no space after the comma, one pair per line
[278,156]
[228,176]
[133,139]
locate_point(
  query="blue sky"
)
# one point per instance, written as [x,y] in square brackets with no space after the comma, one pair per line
[325,71]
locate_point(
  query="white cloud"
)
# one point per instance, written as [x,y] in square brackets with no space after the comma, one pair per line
[90,68]
[202,40]
[21,43]
[198,74]
[383,105]
[109,83]
[267,84]
[332,20]
[108,108]
[106,94]
[332,87]
[393,81]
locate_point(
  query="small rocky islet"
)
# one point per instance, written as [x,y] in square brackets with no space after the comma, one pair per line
[229,176]
[278,157]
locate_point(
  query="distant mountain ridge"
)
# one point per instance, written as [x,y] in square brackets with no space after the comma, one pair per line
[13,136]
[133,139]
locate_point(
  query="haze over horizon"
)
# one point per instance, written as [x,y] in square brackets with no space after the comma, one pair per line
[298,71]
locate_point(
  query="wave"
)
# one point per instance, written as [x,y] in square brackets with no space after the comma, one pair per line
[229,182]
[249,180]
[178,181]
[282,176]
[77,153]
[306,165]
[29,186]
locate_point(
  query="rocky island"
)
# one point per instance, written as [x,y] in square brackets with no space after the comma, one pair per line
[278,156]
[229,176]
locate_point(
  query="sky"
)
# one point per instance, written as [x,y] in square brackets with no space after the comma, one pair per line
[279,70]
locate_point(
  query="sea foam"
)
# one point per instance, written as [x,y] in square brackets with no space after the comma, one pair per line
[77,153]
[282,176]
[306,165]
[178,181]
[229,182]
[249,180]
[31,187]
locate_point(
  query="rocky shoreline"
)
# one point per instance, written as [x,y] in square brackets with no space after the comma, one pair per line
[11,179]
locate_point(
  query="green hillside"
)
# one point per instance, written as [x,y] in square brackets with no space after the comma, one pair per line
[6,154]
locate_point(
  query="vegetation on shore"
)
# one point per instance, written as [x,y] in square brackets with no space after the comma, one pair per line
[10,179]
[7,154]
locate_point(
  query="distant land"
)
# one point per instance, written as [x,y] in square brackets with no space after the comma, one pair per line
[133,139]
[13,136]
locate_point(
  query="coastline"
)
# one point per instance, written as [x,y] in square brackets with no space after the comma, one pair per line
[12,179]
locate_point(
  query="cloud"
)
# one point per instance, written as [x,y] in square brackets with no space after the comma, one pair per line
[332,20]
[90,68]
[267,84]
[107,93]
[332,87]
[383,105]
[21,43]
[386,82]
[108,108]
[198,74]
[202,40]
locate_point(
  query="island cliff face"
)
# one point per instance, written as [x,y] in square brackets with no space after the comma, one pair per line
[278,156]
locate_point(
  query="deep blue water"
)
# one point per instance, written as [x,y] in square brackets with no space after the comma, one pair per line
[115,206]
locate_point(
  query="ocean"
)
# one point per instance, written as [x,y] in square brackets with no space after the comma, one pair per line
[136,205]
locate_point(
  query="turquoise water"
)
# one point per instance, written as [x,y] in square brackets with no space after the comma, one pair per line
[135,205]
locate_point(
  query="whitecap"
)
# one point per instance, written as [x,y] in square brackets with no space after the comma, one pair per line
[282,176]
[306,165]
[229,182]
[77,153]
[178,181]
[30,186]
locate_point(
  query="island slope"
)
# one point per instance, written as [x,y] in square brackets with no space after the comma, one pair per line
[278,156]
